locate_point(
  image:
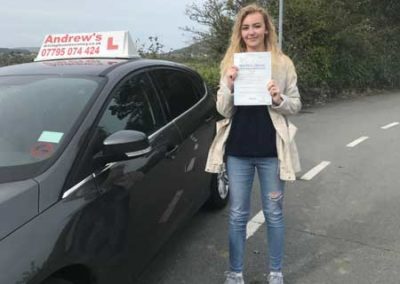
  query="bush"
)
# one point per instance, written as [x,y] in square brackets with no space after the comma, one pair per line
[209,71]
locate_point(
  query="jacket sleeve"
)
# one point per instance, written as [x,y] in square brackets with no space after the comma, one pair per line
[291,103]
[225,100]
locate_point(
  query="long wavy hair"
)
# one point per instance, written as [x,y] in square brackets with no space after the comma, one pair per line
[236,42]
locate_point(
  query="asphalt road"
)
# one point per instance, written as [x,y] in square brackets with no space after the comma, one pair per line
[343,225]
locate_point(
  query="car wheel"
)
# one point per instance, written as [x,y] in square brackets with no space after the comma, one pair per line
[57,281]
[219,191]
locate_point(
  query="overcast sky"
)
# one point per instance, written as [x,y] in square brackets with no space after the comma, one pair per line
[24,23]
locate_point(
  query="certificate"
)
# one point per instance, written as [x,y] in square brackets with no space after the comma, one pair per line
[250,86]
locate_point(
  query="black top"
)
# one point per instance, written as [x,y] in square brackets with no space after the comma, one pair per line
[252,133]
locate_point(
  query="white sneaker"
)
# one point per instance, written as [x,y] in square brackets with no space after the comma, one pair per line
[275,278]
[234,277]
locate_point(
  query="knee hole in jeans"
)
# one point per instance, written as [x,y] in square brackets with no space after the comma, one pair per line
[275,196]
[273,213]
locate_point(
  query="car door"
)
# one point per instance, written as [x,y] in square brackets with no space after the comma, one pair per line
[143,194]
[192,110]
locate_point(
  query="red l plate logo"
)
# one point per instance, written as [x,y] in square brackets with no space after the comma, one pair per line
[110,44]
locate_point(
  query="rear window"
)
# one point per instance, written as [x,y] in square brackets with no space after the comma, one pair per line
[179,88]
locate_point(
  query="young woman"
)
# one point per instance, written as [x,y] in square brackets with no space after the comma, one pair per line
[256,137]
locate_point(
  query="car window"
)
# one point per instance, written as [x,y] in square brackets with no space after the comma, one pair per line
[37,113]
[178,89]
[134,106]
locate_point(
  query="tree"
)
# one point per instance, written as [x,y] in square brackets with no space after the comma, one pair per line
[15,58]
[152,49]
[218,17]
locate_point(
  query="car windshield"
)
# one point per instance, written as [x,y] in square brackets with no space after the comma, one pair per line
[37,113]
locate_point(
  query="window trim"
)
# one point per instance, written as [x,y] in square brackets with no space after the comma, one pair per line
[173,121]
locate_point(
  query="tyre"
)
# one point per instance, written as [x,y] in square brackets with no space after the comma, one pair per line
[219,195]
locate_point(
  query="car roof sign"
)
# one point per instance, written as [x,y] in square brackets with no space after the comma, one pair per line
[116,44]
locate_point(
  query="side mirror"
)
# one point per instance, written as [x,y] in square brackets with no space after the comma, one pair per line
[125,145]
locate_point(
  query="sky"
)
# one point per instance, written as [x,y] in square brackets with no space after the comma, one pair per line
[24,23]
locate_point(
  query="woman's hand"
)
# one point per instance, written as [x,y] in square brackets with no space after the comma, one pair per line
[230,76]
[275,92]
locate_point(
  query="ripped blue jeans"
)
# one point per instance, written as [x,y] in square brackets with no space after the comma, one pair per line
[241,172]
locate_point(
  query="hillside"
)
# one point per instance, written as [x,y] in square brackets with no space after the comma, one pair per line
[196,50]
[22,50]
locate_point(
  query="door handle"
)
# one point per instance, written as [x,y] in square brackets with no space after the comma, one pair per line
[171,151]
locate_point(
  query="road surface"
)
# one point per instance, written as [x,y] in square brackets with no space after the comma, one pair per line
[342,215]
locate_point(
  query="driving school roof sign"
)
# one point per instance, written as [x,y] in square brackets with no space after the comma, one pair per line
[87,45]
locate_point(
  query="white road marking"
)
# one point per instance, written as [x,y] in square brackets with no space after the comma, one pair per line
[316,170]
[357,141]
[196,146]
[390,125]
[254,224]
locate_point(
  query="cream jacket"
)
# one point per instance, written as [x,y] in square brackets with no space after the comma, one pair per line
[284,73]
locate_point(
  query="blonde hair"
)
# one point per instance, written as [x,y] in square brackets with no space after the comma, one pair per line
[236,42]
